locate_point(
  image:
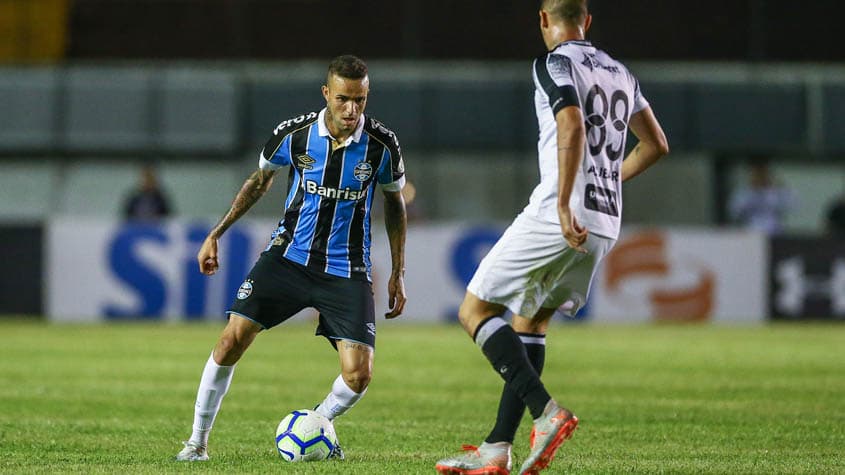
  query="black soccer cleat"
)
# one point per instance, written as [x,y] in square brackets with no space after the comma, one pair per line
[337,453]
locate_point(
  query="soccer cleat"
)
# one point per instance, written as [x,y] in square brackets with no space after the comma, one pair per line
[192,453]
[549,432]
[337,453]
[489,459]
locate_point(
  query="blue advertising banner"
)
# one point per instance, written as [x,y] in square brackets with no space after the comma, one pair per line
[108,270]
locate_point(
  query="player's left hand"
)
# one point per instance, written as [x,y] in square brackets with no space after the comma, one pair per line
[396,295]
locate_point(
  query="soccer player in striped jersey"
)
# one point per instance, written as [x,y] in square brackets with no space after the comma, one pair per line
[586,102]
[319,256]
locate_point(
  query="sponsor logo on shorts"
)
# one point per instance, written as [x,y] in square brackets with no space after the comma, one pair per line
[371,329]
[245,290]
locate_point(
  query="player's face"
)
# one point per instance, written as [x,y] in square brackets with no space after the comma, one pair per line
[345,102]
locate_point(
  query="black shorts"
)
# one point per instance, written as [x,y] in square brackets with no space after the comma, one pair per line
[277,288]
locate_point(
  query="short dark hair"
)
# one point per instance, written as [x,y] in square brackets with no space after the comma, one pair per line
[348,66]
[570,11]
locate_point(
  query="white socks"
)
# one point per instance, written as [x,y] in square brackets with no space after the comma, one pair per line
[339,400]
[214,383]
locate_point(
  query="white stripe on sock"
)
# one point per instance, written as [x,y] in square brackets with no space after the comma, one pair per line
[487,330]
[533,339]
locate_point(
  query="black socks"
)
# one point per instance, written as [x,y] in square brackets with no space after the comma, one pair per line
[511,407]
[506,352]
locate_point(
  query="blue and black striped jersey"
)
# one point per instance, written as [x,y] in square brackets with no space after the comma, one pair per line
[326,225]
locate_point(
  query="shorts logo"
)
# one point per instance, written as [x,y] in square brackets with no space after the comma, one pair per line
[363,171]
[371,329]
[245,290]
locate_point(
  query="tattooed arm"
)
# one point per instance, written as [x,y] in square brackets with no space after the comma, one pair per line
[652,146]
[396,222]
[253,188]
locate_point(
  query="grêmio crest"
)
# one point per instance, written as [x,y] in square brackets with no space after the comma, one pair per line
[363,171]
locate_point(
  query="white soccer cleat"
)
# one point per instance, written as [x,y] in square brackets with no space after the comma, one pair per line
[192,453]
[489,459]
[550,431]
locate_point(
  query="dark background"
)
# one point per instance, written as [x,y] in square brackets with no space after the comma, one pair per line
[21,279]
[735,30]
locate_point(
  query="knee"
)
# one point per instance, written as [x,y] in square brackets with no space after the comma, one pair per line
[465,316]
[235,339]
[358,379]
[530,326]
[470,317]
[227,344]
[230,347]
[538,324]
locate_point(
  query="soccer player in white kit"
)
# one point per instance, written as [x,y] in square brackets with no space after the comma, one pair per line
[586,102]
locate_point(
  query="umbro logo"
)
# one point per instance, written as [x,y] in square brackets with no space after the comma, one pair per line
[305,162]
[591,62]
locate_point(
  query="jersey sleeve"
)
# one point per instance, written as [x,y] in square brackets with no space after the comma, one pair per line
[640,101]
[276,152]
[391,175]
[553,73]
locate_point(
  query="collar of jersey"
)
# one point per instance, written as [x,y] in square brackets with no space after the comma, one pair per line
[324,131]
[572,42]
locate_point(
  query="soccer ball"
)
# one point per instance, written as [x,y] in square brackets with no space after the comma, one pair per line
[305,436]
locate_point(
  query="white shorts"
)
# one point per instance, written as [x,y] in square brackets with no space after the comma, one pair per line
[531,267]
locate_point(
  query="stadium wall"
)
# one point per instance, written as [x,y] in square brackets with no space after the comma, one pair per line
[178,109]
[104,270]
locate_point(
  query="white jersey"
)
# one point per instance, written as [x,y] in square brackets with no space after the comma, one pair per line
[575,73]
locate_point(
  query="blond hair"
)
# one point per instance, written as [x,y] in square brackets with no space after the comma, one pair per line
[570,11]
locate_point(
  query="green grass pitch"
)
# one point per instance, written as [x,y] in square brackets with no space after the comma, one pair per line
[652,399]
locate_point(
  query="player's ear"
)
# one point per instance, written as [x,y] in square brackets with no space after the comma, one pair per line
[588,22]
[544,19]
[325,90]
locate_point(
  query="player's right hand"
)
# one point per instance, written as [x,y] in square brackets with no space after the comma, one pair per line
[574,233]
[396,294]
[207,256]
